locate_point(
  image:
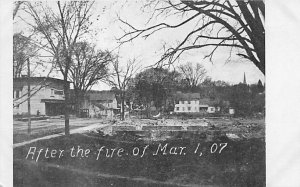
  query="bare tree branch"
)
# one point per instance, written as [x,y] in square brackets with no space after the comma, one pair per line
[219,22]
[120,78]
[193,74]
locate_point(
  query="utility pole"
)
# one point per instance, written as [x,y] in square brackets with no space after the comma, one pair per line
[28,95]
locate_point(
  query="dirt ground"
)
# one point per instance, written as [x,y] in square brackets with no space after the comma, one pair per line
[204,152]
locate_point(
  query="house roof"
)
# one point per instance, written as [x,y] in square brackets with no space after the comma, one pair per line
[18,83]
[195,96]
[38,79]
[94,95]
[207,101]
[187,96]
[100,106]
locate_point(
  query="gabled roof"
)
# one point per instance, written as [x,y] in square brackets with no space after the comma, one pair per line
[100,106]
[187,96]
[207,101]
[94,95]
[195,96]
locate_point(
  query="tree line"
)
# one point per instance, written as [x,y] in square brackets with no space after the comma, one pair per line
[157,87]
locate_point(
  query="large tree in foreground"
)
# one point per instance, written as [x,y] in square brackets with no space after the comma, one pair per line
[237,24]
[59,27]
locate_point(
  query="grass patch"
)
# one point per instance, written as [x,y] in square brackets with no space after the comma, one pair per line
[241,163]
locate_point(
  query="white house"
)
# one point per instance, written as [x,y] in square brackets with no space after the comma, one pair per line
[101,103]
[47,96]
[192,103]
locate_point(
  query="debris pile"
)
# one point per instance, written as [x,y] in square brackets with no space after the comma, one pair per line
[161,129]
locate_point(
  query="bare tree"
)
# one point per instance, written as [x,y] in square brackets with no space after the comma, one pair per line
[236,24]
[193,74]
[60,27]
[17,5]
[88,68]
[120,78]
[21,47]
[20,43]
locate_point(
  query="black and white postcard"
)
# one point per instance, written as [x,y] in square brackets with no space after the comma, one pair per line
[139,93]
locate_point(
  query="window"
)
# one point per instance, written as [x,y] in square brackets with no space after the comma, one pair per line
[189,102]
[52,92]
[182,102]
[17,94]
[202,108]
[58,92]
[177,108]
[182,108]
[189,108]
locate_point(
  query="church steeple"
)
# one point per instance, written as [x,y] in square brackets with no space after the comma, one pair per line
[244,82]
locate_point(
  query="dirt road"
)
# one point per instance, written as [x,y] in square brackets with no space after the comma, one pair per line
[46,129]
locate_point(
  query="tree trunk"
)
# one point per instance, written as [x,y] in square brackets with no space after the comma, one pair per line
[122,115]
[66,107]
[148,110]
[77,101]
[28,95]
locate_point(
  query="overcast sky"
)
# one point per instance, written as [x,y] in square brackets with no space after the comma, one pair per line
[149,51]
